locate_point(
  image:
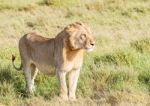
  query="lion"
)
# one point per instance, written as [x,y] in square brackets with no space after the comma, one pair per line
[60,55]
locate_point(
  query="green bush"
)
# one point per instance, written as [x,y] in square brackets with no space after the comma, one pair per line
[119,57]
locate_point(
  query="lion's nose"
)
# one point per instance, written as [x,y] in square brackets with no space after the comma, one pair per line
[93,44]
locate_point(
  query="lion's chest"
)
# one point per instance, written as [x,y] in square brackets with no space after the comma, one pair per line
[72,65]
[72,60]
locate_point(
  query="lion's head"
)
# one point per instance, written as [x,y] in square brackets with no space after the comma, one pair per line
[79,36]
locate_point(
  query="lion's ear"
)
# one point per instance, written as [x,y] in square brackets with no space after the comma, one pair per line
[74,25]
[70,28]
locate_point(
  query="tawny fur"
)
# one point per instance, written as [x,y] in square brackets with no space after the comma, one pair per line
[60,55]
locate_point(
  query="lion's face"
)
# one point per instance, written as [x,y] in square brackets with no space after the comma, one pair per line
[80,36]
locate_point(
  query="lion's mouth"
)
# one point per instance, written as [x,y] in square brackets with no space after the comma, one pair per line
[91,48]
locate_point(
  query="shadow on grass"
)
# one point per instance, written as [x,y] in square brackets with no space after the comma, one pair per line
[10,77]
[6,74]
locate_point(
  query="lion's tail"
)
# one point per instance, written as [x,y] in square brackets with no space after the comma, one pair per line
[17,68]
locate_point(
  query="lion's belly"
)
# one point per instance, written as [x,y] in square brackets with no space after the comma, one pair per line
[47,69]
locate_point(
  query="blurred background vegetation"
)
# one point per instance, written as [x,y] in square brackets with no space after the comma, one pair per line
[117,72]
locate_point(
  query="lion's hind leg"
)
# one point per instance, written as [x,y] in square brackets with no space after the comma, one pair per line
[30,73]
[34,72]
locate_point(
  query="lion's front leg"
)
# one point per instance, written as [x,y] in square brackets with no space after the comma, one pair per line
[73,78]
[62,82]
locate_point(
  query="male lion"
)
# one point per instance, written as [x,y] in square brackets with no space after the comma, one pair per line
[61,55]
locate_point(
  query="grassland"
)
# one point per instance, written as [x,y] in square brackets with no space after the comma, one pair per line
[117,72]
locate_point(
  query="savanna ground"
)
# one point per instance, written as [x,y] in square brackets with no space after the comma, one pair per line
[117,72]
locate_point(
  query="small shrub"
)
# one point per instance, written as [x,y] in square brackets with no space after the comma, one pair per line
[30,24]
[139,9]
[144,78]
[48,2]
[95,5]
[6,74]
[58,3]
[141,45]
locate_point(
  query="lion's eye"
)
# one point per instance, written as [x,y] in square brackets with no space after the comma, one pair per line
[83,36]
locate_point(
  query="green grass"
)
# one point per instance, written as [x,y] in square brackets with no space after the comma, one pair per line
[117,72]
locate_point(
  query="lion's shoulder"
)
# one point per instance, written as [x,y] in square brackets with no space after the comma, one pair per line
[35,37]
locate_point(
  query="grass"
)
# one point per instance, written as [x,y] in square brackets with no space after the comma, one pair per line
[117,72]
